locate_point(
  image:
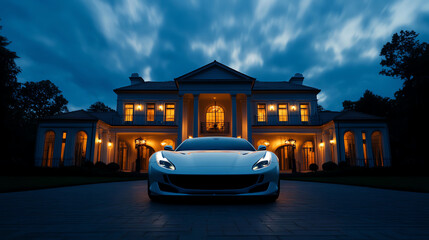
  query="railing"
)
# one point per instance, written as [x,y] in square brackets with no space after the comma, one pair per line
[274,120]
[141,119]
[211,127]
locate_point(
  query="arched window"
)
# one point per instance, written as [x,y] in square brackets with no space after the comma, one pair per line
[215,118]
[350,148]
[80,148]
[377,148]
[48,150]
[285,155]
[307,155]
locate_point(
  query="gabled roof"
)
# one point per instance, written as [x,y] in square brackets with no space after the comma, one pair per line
[149,86]
[281,86]
[214,71]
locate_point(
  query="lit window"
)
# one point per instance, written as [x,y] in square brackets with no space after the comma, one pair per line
[304,112]
[63,146]
[282,108]
[215,118]
[129,112]
[169,112]
[262,112]
[150,112]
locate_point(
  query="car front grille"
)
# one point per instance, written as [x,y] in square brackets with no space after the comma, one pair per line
[213,182]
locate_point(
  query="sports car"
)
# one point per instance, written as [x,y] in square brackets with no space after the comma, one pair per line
[214,166]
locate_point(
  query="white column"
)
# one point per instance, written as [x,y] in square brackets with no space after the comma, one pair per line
[179,121]
[234,114]
[249,119]
[196,119]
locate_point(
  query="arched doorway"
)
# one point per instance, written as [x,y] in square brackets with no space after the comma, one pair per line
[48,150]
[80,148]
[377,148]
[350,148]
[307,155]
[145,153]
[285,155]
[215,119]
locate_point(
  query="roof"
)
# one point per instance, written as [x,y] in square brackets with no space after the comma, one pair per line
[281,86]
[326,116]
[150,86]
[82,115]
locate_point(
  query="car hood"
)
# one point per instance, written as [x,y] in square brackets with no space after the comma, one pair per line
[213,162]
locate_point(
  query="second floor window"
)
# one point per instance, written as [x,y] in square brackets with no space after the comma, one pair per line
[150,112]
[129,112]
[304,112]
[262,112]
[169,112]
[282,108]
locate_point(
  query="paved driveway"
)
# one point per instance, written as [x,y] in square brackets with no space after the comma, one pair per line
[304,211]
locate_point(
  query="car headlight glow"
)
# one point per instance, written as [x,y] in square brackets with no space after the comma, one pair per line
[264,162]
[163,162]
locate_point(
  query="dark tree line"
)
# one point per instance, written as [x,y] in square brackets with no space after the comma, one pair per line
[407,58]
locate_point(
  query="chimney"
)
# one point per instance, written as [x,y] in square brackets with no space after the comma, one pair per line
[136,79]
[297,79]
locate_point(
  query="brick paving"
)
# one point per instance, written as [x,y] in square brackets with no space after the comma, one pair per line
[304,210]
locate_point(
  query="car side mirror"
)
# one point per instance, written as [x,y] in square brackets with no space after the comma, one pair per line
[262,148]
[168,148]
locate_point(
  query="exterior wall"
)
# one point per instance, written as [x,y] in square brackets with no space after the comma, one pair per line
[357,128]
[71,128]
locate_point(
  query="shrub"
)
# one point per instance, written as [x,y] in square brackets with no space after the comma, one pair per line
[88,164]
[343,165]
[100,165]
[313,167]
[113,166]
[329,166]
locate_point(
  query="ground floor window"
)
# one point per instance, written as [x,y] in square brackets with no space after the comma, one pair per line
[48,150]
[144,154]
[377,149]
[350,148]
[307,155]
[80,148]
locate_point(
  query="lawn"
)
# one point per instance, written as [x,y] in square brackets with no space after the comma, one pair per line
[403,183]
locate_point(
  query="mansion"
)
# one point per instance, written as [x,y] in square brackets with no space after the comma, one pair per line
[214,100]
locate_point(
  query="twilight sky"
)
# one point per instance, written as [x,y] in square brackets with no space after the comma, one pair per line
[89,47]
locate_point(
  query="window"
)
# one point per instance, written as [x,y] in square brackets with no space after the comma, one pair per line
[349,148]
[169,112]
[48,150]
[304,112]
[377,149]
[282,108]
[150,112]
[215,118]
[129,112]
[262,112]
[80,148]
[63,146]
[365,150]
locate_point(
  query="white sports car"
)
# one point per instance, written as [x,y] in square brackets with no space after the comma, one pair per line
[214,166]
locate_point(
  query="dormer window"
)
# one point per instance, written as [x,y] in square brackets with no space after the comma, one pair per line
[129,112]
[304,112]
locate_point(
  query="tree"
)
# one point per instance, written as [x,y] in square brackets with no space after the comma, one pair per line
[38,100]
[406,58]
[100,107]
[370,103]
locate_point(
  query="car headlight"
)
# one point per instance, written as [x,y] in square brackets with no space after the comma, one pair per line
[264,162]
[163,162]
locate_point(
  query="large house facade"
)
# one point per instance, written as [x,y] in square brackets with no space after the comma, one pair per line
[214,100]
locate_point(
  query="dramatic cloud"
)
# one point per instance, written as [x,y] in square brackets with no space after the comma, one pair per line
[88,48]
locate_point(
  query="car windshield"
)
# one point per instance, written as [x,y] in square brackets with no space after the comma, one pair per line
[215,143]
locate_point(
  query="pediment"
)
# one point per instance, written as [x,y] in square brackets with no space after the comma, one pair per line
[214,71]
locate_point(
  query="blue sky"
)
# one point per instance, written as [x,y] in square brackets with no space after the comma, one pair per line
[89,47]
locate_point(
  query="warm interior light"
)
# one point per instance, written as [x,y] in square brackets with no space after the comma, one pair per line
[139,107]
